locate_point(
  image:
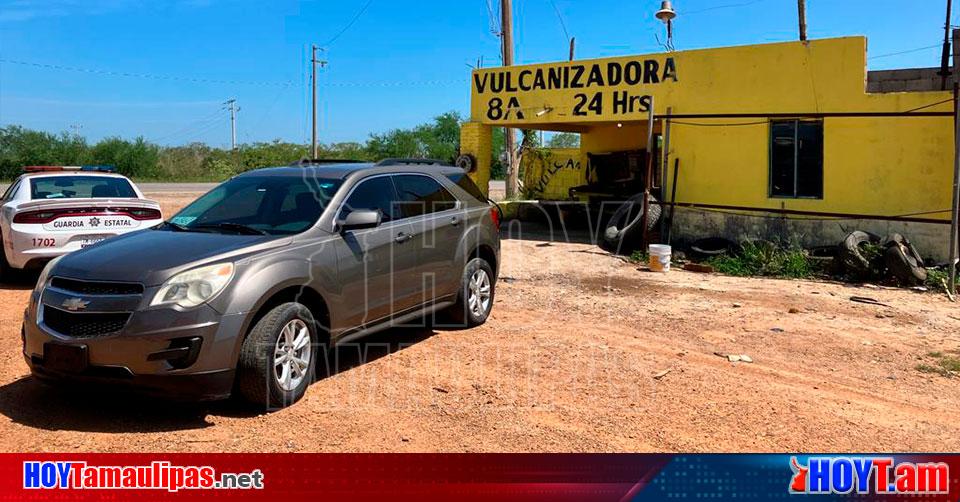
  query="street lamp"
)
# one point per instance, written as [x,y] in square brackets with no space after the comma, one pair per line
[667,15]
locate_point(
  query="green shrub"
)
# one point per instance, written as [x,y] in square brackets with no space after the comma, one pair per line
[765,258]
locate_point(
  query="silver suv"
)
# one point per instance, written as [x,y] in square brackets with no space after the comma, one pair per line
[245,288]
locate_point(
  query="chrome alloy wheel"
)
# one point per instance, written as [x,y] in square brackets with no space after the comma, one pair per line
[479,299]
[291,357]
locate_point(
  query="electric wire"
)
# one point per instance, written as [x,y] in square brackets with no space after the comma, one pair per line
[718,7]
[563,25]
[908,51]
[142,75]
[350,24]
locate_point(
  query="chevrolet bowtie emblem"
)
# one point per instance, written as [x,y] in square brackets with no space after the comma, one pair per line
[74,304]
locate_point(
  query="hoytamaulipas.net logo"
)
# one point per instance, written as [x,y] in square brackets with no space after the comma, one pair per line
[868,475]
[159,475]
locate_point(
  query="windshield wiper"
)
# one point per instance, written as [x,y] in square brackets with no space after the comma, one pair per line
[176,226]
[237,227]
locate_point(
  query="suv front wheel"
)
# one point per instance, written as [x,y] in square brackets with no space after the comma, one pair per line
[278,357]
[475,300]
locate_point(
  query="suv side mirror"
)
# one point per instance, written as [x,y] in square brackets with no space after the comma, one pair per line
[360,219]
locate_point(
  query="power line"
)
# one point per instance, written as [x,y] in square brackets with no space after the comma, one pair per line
[350,24]
[494,19]
[142,75]
[195,124]
[718,7]
[563,25]
[908,51]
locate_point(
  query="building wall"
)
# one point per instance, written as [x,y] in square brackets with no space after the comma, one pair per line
[549,174]
[883,166]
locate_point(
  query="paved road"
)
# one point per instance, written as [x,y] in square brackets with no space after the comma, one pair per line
[175,187]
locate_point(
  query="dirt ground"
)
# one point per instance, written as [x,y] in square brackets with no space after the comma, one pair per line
[572,359]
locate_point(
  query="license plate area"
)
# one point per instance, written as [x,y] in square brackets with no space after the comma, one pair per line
[89,242]
[65,358]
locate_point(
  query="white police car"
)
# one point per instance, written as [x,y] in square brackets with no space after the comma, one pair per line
[52,210]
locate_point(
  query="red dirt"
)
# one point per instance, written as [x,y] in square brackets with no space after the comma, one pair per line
[567,363]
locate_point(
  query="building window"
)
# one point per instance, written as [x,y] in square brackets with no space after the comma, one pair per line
[796,159]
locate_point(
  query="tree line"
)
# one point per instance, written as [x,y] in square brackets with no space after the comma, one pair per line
[142,159]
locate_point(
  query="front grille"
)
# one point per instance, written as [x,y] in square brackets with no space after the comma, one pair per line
[96,288]
[83,325]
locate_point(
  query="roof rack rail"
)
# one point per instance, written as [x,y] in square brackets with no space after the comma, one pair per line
[313,162]
[417,162]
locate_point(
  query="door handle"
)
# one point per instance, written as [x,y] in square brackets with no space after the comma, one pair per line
[402,237]
[455,221]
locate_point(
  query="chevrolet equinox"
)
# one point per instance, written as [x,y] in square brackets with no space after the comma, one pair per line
[245,288]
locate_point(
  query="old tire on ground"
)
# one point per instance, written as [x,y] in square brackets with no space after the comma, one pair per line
[852,256]
[276,362]
[904,263]
[704,249]
[475,299]
[624,233]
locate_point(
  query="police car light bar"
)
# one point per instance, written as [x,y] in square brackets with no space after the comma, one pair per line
[40,169]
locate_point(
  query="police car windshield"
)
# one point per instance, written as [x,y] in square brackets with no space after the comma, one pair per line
[80,187]
[270,205]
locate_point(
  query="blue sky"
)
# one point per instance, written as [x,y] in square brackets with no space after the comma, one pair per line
[398,65]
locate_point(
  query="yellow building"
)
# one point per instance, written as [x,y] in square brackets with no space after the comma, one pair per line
[788,140]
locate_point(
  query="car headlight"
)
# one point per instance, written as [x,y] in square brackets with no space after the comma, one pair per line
[45,274]
[194,287]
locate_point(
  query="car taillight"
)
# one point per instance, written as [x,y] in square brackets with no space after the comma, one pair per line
[48,215]
[144,214]
[36,217]
[495,216]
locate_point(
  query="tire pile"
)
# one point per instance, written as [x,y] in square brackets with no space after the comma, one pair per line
[866,256]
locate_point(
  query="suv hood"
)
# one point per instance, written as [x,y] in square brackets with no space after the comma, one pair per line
[152,256]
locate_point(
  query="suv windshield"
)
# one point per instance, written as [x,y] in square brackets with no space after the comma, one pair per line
[80,187]
[268,205]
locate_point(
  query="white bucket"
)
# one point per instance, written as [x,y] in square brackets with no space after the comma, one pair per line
[659,257]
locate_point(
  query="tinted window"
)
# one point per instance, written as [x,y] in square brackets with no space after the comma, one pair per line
[12,189]
[796,159]
[73,187]
[374,193]
[276,205]
[463,181]
[422,195]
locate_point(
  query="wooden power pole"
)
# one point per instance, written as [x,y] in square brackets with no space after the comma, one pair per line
[510,140]
[802,14]
[955,191]
[313,67]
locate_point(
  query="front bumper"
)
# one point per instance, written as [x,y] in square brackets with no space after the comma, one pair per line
[191,387]
[124,357]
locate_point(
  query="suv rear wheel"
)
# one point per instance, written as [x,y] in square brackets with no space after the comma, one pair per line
[475,300]
[278,358]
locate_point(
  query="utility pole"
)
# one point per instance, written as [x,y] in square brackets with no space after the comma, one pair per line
[232,106]
[802,11]
[945,54]
[510,140]
[314,153]
[955,192]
